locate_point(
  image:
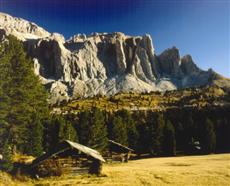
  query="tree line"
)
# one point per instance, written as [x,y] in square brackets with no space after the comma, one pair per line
[157,133]
[26,125]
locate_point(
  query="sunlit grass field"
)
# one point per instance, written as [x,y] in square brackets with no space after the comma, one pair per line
[189,171]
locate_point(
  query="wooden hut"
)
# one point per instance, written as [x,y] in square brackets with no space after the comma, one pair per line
[68,158]
[118,152]
[194,147]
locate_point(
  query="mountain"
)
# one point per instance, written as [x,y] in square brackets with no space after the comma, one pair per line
[21,28]
[104,63]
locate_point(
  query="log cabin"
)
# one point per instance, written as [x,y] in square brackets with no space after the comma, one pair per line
[68,158]
[118,152]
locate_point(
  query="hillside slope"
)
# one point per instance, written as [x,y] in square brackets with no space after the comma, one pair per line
[196,98]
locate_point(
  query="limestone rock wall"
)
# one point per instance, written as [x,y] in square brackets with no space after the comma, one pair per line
[101,63]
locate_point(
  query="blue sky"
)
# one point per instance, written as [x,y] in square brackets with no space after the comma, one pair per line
[197,27]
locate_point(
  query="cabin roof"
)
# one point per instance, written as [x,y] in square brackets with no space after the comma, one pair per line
[66,145]
[120,145]
[91,152]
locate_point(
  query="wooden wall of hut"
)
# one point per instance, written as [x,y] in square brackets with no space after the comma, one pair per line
[68,163]
[117,157]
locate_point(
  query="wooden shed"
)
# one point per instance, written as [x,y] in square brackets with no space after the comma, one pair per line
[118,152]
[68,158]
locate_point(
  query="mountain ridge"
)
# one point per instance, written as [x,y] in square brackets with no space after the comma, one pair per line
[104,63]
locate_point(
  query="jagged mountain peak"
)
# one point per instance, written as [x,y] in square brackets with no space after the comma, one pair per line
[102,63]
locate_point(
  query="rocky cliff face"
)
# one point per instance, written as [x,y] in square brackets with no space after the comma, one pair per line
[102,63]
[21,28]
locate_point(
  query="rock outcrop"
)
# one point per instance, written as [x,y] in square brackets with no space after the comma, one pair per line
[102,63]
[21,28]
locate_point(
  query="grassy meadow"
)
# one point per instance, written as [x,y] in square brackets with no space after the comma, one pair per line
[189,170]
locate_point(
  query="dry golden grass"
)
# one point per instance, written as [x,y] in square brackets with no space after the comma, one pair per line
[190,170]
[7,180]
[207,170]
[20,158]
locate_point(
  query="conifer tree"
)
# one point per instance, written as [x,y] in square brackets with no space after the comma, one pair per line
[179,130]
[189,128]
[4,98]
[208,137]
[118,131]
[156,126]
[169,142]
[21,94]
[56,130]
[143,144]
[222,135]
[98,131]
[84,127]
[34,145]
[130,127]
[67,132]
[92,129]
[50,136]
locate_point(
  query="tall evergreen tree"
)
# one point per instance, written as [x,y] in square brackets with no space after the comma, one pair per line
[34,145]
[68,132]
[208,137]
[222,135]
[142,127]
[144,138]
[186,133]
[98,131]
[84,127]
[50,137]
[169,142]
[21,94]
[130,127]
[118,131]
[57,130]
[156,126]
[4,97]
[179,132]
[92,129]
